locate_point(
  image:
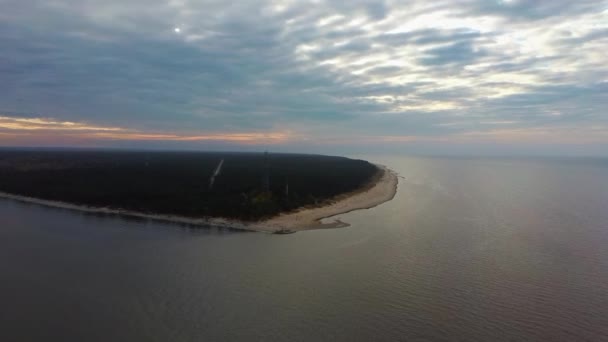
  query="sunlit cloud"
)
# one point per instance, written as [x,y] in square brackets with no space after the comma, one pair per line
[35,124]
[15,127]
[246,138]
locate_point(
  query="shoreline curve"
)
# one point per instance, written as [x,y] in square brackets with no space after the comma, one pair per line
[382,188]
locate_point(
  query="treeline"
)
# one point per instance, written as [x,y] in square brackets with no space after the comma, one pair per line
[178,182]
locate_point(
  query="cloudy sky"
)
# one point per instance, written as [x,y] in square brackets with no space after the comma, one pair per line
[306,75]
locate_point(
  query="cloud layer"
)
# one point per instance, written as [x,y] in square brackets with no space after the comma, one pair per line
[321,70]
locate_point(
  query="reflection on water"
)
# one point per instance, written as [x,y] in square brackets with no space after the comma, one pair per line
[470,249]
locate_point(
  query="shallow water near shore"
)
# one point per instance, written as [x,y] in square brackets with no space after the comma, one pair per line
[469,249]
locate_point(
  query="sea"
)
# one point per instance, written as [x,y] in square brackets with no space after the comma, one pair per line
[470,249]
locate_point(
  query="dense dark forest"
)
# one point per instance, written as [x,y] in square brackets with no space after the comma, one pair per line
[250,186]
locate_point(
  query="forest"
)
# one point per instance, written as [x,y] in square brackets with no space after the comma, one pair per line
[247,186]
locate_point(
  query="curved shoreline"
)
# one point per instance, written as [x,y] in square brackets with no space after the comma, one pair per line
[381,189]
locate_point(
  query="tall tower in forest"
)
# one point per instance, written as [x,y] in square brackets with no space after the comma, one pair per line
[266,176]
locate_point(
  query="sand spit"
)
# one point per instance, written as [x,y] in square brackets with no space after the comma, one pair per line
[381,189]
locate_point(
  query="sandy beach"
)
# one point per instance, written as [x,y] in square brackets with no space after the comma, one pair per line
[382,188]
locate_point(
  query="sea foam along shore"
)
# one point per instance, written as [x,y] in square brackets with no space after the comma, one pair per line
[380,189]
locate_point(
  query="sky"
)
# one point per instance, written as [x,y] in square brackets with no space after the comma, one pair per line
[485,76]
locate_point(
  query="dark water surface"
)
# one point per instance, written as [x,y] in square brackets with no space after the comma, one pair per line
[469,249]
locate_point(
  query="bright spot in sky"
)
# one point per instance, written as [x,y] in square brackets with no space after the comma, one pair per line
[177,30]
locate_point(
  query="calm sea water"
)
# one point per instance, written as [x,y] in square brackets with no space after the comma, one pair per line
[470,249]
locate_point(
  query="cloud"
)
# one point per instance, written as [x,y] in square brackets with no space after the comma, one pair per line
[462,53]
[35,124]
[11,127]
[346,69]
[531,9]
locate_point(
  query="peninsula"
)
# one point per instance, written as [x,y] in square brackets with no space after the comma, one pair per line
[249,191]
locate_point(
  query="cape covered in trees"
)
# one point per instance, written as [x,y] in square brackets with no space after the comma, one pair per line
[245,186]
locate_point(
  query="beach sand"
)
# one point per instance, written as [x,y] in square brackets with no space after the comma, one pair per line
[381,188]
